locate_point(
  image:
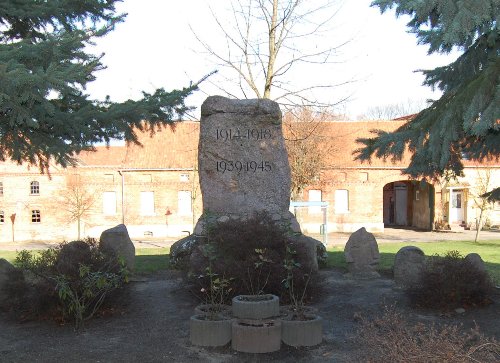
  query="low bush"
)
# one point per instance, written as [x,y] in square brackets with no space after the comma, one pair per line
[69,280]
[250,255]
[390,338]
[451,281]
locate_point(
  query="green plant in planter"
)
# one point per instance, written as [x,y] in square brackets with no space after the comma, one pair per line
[301,326]
[218,290]
[257,279]
[297,298]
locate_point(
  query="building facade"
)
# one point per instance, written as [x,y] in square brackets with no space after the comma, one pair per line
[153,189]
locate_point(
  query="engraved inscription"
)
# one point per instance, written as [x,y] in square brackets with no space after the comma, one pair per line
[245,134]
[238,166]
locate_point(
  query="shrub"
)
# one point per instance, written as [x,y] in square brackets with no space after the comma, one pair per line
[250,254]
[450,281]
[389,338]
[72,278]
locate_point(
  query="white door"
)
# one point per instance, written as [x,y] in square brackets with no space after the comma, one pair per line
[457,206]
[401,203]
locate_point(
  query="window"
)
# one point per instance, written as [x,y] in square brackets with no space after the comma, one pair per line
[341,201]
[184,203]
[1,188]
[34,188]
[109,203]
[363,177]
[184,177]
[314,196]
[147,203]
[36,216]
[2,216]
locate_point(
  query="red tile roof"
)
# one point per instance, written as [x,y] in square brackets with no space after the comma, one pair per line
[177,148]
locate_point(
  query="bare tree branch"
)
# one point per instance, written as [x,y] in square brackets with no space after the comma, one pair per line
[266,39]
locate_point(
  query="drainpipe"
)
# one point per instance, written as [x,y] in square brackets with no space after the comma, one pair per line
[123,195]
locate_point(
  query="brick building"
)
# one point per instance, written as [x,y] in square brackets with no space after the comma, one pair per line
[154,190]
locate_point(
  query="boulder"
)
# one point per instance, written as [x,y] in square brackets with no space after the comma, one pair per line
[71,256]
[242,159]
[408,265]
[475,260]
[116,241]
[362,255]
[180,252]
[307,249]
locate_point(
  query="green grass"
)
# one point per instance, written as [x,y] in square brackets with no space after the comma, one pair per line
[488,250]
[147,260]
[150,260]
[8,255]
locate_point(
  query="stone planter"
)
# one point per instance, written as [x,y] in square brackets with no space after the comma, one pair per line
[256,306]
[209,333]
[256,336]
[302,333]
[209,309]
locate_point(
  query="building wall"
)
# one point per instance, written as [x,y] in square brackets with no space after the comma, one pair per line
[17,199]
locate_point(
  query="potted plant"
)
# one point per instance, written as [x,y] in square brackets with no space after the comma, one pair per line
[256,305]
[300,325]
[211,324]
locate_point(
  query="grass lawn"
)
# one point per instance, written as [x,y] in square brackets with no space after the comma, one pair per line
[488,250]
[147,260]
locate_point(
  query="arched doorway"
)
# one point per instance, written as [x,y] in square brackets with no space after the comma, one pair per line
[408,204]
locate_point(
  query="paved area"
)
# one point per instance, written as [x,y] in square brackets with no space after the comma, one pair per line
[390,235]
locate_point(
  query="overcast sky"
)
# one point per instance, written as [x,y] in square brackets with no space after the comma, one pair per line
[155,47]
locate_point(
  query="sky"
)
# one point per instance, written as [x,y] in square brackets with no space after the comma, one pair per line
[155,47]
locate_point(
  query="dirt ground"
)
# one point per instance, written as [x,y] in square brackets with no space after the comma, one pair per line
[154,327]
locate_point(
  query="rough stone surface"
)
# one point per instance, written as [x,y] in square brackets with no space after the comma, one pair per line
[361,254]
[72,255]
[117,241]
[475,260]
[306,248]
[9,276]
[243,169]
[408,265]
[242,160]
[180,252]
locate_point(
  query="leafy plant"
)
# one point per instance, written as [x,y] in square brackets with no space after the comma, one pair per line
[448,281]
[296,295]
[79,273]
[218,289]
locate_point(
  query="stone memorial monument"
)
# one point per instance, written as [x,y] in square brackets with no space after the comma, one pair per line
[243,168]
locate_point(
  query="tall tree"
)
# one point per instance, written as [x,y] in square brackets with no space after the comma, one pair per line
[466,119]
[45,114]
[266,41]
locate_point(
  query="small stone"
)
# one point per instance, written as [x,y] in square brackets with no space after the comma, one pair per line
[117,241]
[362,255]
[408,265]
[460,310]
[475,260]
